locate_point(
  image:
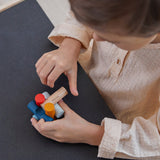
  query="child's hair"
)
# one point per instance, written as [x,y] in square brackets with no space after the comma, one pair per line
[138,17]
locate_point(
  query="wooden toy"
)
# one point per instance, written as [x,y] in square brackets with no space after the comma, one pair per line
[56,96]
[59,111]
[46,95]
[45,105]
[38,112]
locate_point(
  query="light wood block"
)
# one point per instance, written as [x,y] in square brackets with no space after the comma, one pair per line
[56,96]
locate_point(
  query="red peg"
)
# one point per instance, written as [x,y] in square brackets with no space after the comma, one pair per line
[39,99]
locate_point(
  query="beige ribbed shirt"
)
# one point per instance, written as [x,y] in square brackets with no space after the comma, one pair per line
[129,82]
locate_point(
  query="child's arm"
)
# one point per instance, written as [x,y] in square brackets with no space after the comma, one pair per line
[71,37]
[63,60]
[71,28]
[139,140]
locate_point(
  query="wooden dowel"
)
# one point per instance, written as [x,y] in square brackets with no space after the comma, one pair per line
[56,96]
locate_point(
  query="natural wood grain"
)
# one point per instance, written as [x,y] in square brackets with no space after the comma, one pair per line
[56,96]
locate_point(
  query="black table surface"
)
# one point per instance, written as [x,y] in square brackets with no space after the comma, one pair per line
[23,39]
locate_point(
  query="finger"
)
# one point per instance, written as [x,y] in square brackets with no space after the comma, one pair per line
[45,72]
[65,73]
[53,76]
[40,60]
[42,126]
[64,106]
[44,56]
[72,78]
[41,65]
[38,125]
[34,123]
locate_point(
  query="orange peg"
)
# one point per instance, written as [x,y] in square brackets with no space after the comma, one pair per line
[49,110]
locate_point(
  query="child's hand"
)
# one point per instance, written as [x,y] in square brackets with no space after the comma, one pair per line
[63,60]
[71,129]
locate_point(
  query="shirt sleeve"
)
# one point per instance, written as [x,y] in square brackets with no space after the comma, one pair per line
[139,140]
[71,28]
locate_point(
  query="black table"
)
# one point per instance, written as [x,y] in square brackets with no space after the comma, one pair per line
[23,39]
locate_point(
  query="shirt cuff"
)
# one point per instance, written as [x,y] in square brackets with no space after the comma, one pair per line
[110,139]
[67,30]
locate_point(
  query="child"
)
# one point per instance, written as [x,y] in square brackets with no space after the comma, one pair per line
[125,68]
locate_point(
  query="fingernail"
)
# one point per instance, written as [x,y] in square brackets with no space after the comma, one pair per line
[76,92]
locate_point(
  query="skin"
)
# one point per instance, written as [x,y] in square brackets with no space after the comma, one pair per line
[70,129]
[63,60]
[73,128]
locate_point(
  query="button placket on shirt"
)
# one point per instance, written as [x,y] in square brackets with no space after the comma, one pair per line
[117,64]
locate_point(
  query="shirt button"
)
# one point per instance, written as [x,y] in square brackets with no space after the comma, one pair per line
[118,61]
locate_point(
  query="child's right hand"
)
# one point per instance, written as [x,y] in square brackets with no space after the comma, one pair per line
[63,60]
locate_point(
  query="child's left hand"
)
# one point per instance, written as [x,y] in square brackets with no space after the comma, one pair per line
[71,129]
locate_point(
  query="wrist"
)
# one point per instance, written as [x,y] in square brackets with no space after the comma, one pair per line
[94,134]
[71,44]
[70,47]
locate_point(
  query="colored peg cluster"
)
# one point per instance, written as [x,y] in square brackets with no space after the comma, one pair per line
[45,105]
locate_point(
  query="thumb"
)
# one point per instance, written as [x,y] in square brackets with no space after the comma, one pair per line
[64,106]
[72,78]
